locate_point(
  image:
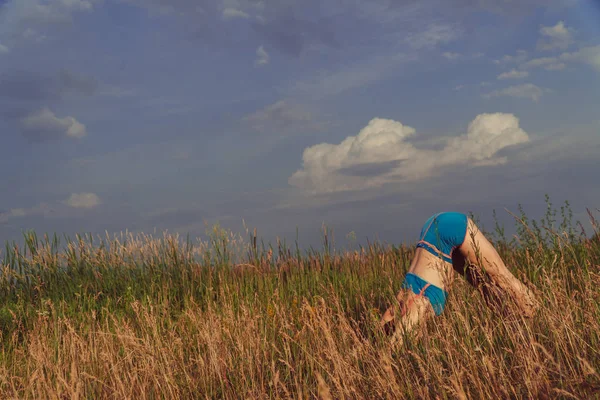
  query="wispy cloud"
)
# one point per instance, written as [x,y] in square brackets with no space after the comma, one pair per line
[262,57]
[555,37]
[589,55]
[526,90]
[555,67]
[232,13]
[23,19]
[434,35]
[75,200]
[450,55]
[513,74]
[552,38]
[83,200]
[520,57]
[40,209]
[335,82]
[543,62]
[279,117]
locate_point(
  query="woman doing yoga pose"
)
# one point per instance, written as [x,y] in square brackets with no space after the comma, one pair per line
[447,240]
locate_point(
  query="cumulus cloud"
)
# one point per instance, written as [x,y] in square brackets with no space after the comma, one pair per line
[262,57]
[43,125]
[83,200]
[526,90]
[381,154]
[555,37]
[513,74]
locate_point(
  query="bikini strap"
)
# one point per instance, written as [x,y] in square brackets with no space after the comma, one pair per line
[431,223]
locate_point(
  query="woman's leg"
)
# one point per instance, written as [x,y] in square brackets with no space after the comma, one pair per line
[479,251]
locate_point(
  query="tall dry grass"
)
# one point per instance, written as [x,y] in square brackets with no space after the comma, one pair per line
[142,317]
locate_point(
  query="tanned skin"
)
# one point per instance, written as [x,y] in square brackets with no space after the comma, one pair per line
[497,283]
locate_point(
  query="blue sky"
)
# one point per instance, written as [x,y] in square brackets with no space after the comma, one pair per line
[152,115]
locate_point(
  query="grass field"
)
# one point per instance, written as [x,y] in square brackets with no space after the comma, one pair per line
[143,317]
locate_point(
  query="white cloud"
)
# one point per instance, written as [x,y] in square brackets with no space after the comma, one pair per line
[38,12]
[561,37]
[540,62]
[587,55]
[513,74]
[555,37]
[451,56]
[331,83]
[555,67]
[43,124]
[83,200]
[3,49]
[262,57]
[519,58]
[41,209]
[23,19]
[17,212]
[279,116]
[231,13]
[380,154]
[33,35]
[548,63]
[82,5]
[433,35]
[526,90]
[12,213]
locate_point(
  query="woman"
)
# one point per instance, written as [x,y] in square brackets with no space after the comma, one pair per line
[448,240]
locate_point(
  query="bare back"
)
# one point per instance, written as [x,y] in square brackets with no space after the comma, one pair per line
[432,269]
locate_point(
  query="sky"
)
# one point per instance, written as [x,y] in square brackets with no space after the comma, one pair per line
[288,115]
